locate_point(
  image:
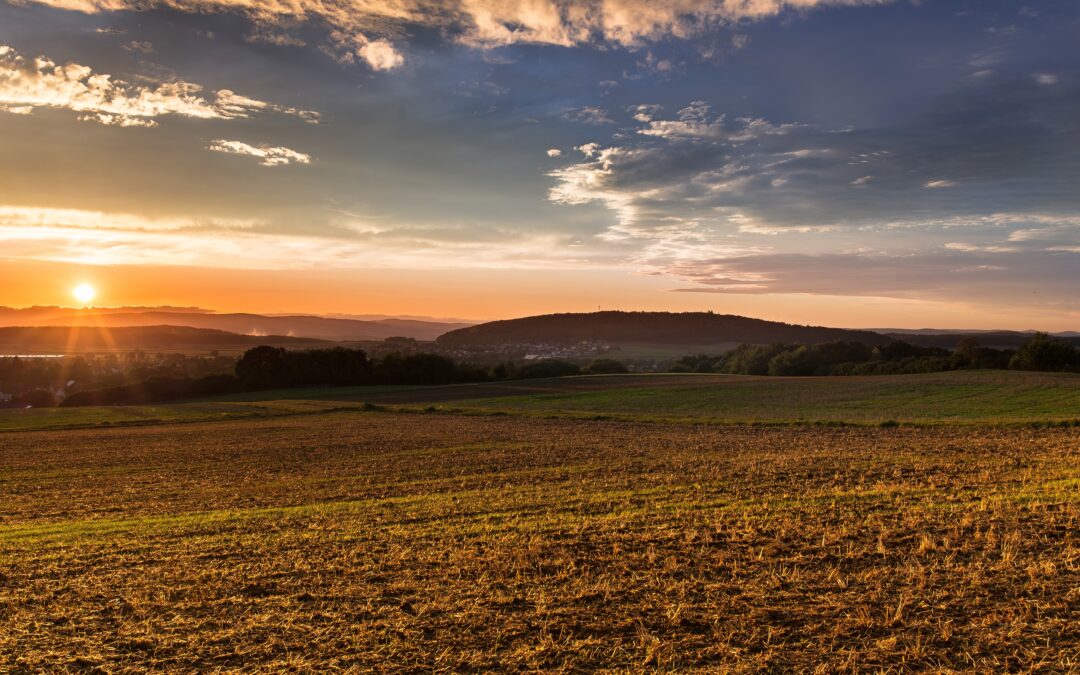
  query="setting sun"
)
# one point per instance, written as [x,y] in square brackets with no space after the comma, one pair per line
[84,293]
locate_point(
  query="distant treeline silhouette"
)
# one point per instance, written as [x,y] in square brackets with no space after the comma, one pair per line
[1041,352]
[268,367]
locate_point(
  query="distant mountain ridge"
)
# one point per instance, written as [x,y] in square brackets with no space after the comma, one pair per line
[69,340]
[323,328]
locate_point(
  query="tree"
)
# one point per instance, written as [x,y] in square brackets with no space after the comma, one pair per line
[752,359]
[967,351]
[416,369]
[801,361]
[548,368]
[1043,352]
[605,367]
[36,398]
[262,367]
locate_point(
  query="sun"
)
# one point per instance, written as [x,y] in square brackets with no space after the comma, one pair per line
[84,293]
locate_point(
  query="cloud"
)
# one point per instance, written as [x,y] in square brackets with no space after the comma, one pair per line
[693,123]
[27,84]
[939,184]
[1003,145]
[100,238]
[266,154]
[143,47]
[273,37]
[1046,79]
[654,64]
[752,205]
[973,275]
[381,55]
[29,218]
[554,152]
[587,115]
[367,28]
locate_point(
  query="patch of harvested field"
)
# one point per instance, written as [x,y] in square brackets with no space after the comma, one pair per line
[366,541]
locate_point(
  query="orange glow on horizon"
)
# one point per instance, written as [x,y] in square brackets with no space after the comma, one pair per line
[480,295]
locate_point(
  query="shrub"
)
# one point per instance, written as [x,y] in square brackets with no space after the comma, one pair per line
[605,367]
[548,368]
[35,398]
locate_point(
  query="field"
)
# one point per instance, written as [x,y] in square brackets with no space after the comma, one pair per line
[320,535]
[961,397]
[965,397]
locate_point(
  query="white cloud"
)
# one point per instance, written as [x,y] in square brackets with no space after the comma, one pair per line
[694,124]
[554,152]
[939,184]
[1046,79]
[381,55]
[267,155]
[27,84]
[646,112]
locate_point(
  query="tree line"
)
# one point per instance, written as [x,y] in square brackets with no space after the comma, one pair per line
[1041,353]
[266,367]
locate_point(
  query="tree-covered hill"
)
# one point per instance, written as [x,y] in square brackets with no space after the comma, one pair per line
[689,328]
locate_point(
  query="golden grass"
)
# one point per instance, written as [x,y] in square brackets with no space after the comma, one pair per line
[392,542]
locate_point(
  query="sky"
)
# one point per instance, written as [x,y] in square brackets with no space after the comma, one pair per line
[874,163]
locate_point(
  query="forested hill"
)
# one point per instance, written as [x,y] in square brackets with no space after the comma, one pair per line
[689,328]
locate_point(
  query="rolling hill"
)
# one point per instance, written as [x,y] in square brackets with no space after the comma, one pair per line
[246,324]
[689,328]
[697,329]
[67,340]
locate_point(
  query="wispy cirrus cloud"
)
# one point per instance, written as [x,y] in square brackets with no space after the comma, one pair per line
[341,241]
[367,30]
[969,274]
[30,83]
[31,217]
[268,155]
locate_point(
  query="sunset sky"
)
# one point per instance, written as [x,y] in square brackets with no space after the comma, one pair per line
[846,162]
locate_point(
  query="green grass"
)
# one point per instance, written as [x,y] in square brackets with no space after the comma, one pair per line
[960,397]
[965,397]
